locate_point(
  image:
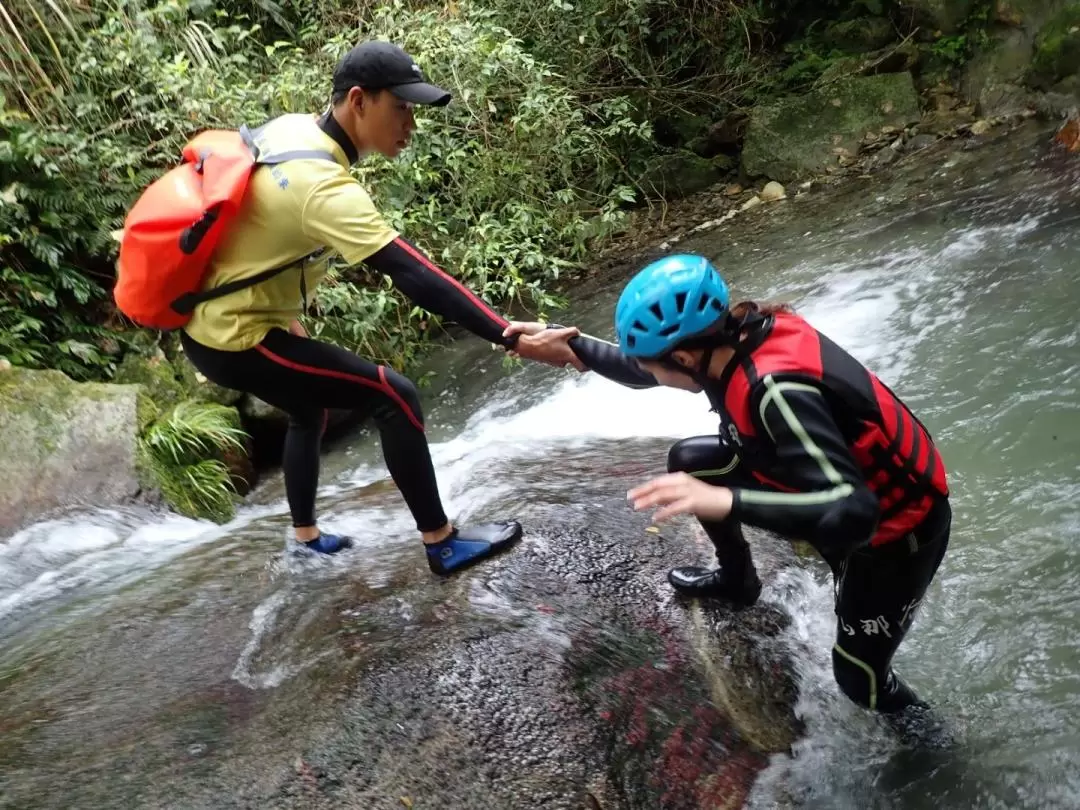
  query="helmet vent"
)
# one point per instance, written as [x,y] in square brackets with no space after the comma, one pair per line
[680,302]
[659,313]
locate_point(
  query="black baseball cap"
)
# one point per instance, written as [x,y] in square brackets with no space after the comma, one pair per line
[385,66]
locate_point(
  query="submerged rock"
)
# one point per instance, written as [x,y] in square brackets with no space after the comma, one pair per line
[800,136]
[64,443]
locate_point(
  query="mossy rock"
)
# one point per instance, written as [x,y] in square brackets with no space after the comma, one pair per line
[64,443]
[199,387]
[170,378]
[155,373]
[800,136]
[946,16]
[859,35]
[892,59]
[681,173]
[1057,50]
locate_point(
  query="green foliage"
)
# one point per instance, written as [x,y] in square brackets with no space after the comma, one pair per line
[184,453]
[1057,49]
[952,49]
[510,185]
[559,107]
[666,59]
[48,226]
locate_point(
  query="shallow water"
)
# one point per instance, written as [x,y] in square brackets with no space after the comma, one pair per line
[134,640]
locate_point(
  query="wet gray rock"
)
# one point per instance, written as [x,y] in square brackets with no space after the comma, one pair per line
[65,444]
[586,685]
[920,142]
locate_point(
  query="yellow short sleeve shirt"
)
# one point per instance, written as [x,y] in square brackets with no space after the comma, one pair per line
[290,211]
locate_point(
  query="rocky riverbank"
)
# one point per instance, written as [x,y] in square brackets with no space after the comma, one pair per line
[962,74]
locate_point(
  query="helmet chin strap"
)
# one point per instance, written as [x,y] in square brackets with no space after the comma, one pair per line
[726,337]
[701,374]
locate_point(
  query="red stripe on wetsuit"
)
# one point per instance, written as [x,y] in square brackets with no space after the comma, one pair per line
[380,385]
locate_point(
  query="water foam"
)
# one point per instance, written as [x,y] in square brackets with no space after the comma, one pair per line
[86,549]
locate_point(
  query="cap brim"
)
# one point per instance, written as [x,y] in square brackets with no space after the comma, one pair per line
[422,93]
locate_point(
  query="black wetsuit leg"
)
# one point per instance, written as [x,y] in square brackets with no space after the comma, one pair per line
[713,459]
[304,377]
[879,590]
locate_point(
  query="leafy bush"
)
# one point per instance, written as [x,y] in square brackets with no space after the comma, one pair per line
[506,187]
[558,106]
[50,295]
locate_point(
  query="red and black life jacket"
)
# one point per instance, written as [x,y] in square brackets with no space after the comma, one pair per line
[895,452]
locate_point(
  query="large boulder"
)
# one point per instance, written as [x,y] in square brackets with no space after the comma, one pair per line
[1057,50]
[683,172]
[946,16]
[800,136]
[64,443]
[1034,47]
[562,675]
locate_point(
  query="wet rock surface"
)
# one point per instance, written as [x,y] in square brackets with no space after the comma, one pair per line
[64,443]
[601,691]
[562,674]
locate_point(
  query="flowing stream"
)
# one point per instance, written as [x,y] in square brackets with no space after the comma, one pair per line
[140,647]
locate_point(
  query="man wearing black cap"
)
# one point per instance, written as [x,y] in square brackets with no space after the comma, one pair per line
[296,214]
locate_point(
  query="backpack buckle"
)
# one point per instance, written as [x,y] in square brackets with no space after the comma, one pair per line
[203,155]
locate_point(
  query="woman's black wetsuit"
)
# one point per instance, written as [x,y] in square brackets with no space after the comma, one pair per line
[878,588]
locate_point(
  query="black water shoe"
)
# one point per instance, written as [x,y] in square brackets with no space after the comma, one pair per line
[694,581]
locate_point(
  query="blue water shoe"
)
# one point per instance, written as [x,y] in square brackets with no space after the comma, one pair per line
[470,545]
[329,543]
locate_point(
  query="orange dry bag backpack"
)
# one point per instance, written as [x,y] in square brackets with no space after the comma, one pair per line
[171,231]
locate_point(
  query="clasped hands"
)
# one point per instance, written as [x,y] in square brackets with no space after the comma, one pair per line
[551,346]
[674,493]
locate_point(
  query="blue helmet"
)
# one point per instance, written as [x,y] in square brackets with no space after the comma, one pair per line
[668,301]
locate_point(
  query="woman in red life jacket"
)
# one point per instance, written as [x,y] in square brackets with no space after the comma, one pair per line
[811,446]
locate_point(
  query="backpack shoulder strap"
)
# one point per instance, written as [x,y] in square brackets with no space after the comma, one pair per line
[292,154]
[186,303]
